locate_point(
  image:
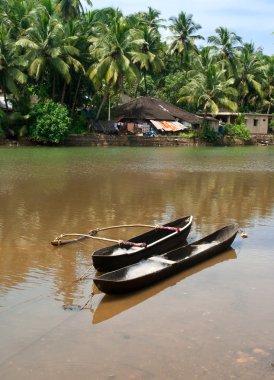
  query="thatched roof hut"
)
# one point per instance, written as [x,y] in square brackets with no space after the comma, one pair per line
[146,108]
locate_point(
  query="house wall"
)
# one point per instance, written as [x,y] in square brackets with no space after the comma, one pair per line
[257,124]
[213,125]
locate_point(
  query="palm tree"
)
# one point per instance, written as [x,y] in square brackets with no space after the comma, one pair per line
[70,9]
[77,33]
[72,43]
[227,43]
[209,89]
[11,65]
[184,35]
[147,53]
[150,18]
[18,15]
[111,48]
[268,86]
[47,50]
[252,71]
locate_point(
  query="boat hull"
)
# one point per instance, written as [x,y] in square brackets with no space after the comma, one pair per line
[119,281]
[104,261]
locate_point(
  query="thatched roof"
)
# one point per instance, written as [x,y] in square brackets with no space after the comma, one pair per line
[146,108]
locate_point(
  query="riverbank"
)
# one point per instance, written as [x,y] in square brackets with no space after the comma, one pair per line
[134,141]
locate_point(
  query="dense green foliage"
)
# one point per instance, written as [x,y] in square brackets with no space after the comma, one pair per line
[55,49]
[209,135]
[239,131]
[49,122]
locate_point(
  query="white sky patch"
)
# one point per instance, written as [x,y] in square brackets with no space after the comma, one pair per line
[253,20]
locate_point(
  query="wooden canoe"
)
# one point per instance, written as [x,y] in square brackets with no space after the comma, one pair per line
[156,241]
[106,306]
[155,268]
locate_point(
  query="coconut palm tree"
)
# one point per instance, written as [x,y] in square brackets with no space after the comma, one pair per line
[11,65]
[70,9]
[268,86]
[18,15]
[147,53]
[152,18]
[48,51]
[209,89]
[252,72]
[73,42]
[111,49]
[227,43]
[184,31]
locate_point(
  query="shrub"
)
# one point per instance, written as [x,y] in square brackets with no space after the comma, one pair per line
[79,124]
[209,134]
[239,131]
[187,135]
[50,122]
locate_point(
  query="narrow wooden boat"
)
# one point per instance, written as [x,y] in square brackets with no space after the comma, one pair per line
[156,268]
[153,242]
[106,306]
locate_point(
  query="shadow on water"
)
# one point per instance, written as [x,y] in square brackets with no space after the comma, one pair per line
[111,305]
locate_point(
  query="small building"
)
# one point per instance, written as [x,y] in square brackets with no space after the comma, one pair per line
[257,123]
[145,114]
[212,123]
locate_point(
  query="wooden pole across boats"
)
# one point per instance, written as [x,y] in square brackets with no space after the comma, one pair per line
[91,235]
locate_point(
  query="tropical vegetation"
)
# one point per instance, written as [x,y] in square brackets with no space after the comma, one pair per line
[70,59]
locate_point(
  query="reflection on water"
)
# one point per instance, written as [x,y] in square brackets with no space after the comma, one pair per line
[45,192]
[111,305]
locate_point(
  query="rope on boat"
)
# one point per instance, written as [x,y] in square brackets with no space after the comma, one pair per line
[91,235]
[120,242]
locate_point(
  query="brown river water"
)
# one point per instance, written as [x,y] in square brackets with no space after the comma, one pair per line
[213,321]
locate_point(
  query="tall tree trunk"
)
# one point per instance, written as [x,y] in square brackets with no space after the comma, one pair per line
[269,104]
[2,87]
[76,93]
[136,89]
[105,97]
[204,124]
[145,80]
[53,86]
[63,92]
[5,99]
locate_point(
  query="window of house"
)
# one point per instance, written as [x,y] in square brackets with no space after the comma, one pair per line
[255,122]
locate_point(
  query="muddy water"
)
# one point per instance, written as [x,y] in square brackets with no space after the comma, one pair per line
[213,321]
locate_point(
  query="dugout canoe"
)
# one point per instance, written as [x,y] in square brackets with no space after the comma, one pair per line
[155,268]
[154,242]
[106,306]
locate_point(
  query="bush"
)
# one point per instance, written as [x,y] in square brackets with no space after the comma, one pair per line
[50,122]
[79,124]
[209,134]
[188,135]
[239,131]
